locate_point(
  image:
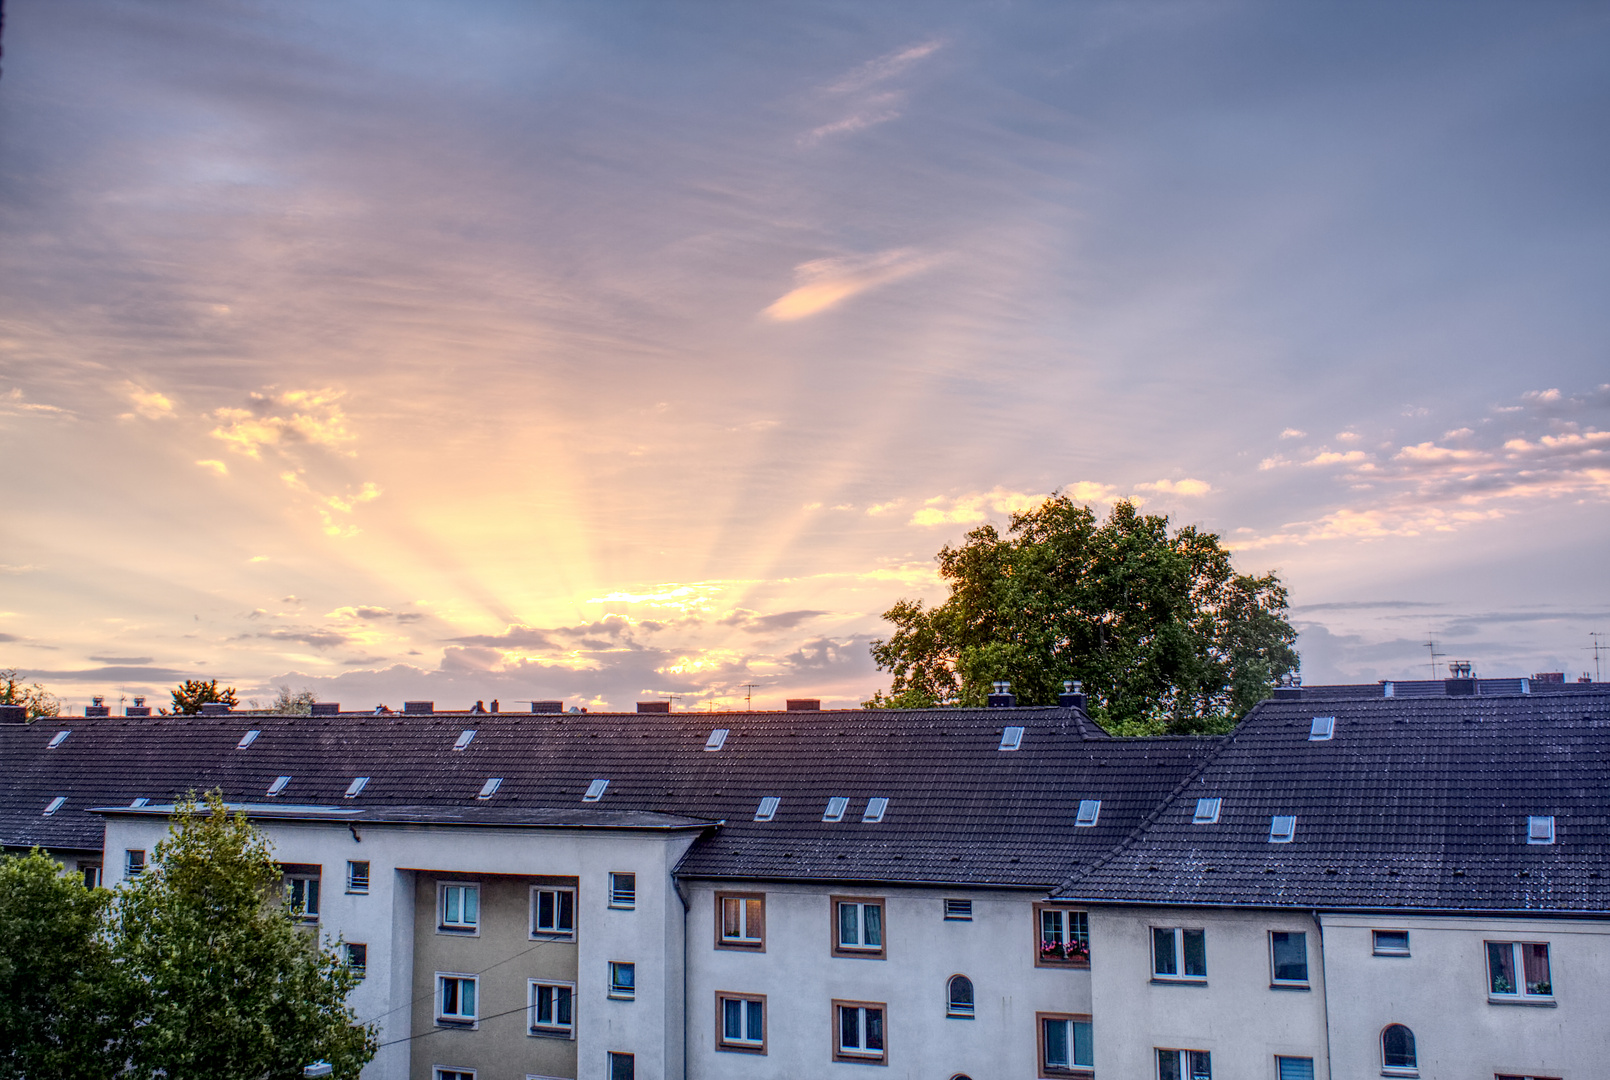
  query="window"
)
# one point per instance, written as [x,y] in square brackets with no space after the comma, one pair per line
[622,890]
[1207,812]
[357,877]
[553,1009]
[767,808]
[858,926]
[355,788]
[959,997]
[490,788]
[717,739]
[1294,1068]
[55,804]
[92,874]
[835,808]
[741,921]
[465,737]
[1171,945]
[1528,958]
[278,785]
[133,862]
[357,959]
[553,912]
[1064,936]
[595,791]
[1282,828]
[1011,738]
[57,739]
[622,1066]
[460,907]
[1505,1076]
[622,980]
[1391,942]
[1397,1051]
[1184,1065]
[1322,728]
[875,809]
[248,738]
[455,1074]
[859,1035]
[1065,1044]
[959,910]
[455,999]
[1288,957]
[302,895]
[1540,830]
[741,1022]
[135,804]
[1089,811]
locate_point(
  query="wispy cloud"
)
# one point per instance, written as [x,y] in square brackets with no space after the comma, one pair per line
[312,417]
[151,404]
[823,283]
[15,403]
[1187,486]
[975,508]
[863,97]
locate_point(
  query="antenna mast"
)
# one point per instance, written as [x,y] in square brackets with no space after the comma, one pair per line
[749,697]
[1598,647]
[1431,643]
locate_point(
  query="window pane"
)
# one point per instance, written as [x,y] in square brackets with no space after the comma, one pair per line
[730,909]
[874,1029]
[1163,961]
[1079,926]
[1397,1047]
[313,905]
[752,919]
[472,904]
[872,924]
[545,901]
[1195,947]
[1056,1044]
[567,1002]
[1051,926]
[849,1028]
[544,1008]
[467,992]
[756,1014]
[1501,967]
[567,911]
[1083,1045]
[450,907]
[1296,1068]
[622,1067]
[1168,1065]
[849,924]
[732,1019]
[449,997]
[961,992]
[1201,1064]
[1535,960]
[1291,956]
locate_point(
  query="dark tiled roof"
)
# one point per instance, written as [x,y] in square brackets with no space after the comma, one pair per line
[959,811]
[1414,803]
[480,814]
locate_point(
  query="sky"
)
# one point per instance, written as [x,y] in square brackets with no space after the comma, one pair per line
[615,351]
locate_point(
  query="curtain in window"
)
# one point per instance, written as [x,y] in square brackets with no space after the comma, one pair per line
[1296,1068]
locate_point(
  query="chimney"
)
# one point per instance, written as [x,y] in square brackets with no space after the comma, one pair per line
[326,708]
[548,706]
[423,708]
[802,704]
[1461,681]
[97,707]
[653,706]
[13,714]
[1291,689]
[1001,696]
[140,708]
[1073,694]
[1549,677]
[208,708]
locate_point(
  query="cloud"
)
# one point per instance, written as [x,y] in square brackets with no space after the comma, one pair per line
[756,623]
[295,417]
[1293,433]
[216,466]
[1178,487]
[14,403]
[865,94]
[318,639]
[150,404]
[974,509]
[370,614]
[824,283]
[14,637]
[1331,457]
[121,659]
[333,504]
[884,67]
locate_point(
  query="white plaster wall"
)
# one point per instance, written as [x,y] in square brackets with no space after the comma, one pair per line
[1440,992]
[1234,1015]
[801,978]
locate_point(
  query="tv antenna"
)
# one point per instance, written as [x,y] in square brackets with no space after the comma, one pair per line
[1431,643]
[749,696]
[1597,647]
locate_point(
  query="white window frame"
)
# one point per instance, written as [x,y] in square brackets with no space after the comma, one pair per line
[623,898]
[767,808]
[749,1042]
[876,807]
[556,932]
[355,788]
[472,929]
[312,914]
[1011,738]
[1179,974]
[960,1010]
[618,990]
[1377,949]
[860,904]
[1276,980]
[354,886]
[1185,1061]
[464,739]
[595,790]
[280,784]
[58,738]
[836,805]
[717,739]
[55,804]
[1069,1023]
[439,1072]
[555,1029]
[490,788]
[248,738]
[748,937]
[460,1018]
[362,969]
[1517,960]
[1207,810]
[860,1052]
[133,862]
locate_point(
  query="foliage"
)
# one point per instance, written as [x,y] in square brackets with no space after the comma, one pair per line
[224,980]
[1160,629]
[35,698]
[192,694]
[57,991]
[293,702]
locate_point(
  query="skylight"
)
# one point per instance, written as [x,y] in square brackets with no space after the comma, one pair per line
[875,809]
[1322,728]
[1282,828]
[141,801]
[465,737]
[57,739]
[595,791]
[1011,738]
[355,788]
[248,738]
[1207,812]
[1540,830]
[55,804]
[767,808]
[490,788]
[717,739]
[1089,811]
[835,808]
[278,785]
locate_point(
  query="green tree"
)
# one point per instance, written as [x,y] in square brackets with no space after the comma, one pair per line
[192,694]
[223,980]
[57,991]
[1160,629]
[35,698]
[293,702]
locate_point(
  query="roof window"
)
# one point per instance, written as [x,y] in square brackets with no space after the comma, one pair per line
[1322,728]
[1207,812]
[248,738]
[355,788]
[767,808]
[1540,830]
[57,739]
[278,785]
[595,791]
[465,737]
[717,739]
[1089,811]
[1282,827]
[1011,738]
[55,804]
[490,788]
[875,809]
[141,801]
[835,808]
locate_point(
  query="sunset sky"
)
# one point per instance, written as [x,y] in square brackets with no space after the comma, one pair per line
[609,350]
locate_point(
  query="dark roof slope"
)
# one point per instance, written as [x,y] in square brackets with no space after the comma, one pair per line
[1414,803]
[960,810]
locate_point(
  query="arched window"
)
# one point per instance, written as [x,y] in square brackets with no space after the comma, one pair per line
[1397,1048]
[961,1076]
[959,998]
